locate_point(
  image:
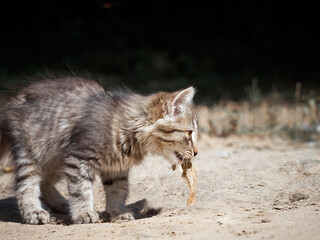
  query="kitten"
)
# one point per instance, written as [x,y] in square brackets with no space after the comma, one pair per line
[72,127]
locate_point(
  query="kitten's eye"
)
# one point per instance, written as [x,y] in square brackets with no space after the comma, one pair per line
[189,135]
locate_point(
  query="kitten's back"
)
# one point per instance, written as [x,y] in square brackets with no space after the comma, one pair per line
[44,114]
[60,87]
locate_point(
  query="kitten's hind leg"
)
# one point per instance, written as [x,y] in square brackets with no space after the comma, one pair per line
[116,189]
[28,192]
[80,178]
[53,199]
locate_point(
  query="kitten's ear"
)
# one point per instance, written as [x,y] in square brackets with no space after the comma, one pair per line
[184,96]
[169,104]
[181,99]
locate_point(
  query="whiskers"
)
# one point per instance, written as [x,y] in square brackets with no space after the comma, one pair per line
[184,154]
[205,102]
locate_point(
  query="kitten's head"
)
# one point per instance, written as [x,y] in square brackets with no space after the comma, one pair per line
[174,125]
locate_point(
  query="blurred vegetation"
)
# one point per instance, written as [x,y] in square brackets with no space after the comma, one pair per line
[269,114]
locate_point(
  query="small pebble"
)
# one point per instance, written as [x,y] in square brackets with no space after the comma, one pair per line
[265,220]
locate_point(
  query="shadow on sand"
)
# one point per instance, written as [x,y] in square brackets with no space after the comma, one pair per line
[9,212]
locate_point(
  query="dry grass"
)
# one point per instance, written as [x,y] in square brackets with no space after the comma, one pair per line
[300,121]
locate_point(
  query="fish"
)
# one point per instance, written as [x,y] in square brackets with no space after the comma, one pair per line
[190,173]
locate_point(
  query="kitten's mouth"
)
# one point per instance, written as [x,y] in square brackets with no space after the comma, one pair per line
[180,157]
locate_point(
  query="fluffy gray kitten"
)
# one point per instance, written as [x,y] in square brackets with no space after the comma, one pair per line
[72,127]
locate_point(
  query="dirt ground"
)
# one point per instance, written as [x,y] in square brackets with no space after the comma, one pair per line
[248,187]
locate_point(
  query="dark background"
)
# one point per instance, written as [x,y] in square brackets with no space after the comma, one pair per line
[218,46]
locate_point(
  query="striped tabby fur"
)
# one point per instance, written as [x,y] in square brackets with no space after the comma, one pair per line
[72,127]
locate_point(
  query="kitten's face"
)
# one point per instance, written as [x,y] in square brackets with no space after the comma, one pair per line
[175,134]
[177,140]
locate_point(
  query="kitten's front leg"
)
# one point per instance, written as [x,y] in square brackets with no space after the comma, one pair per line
[80,180]
[116,189]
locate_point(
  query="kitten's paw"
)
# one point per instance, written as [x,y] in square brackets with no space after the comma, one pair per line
[37,217]
[86,217]
[127,216]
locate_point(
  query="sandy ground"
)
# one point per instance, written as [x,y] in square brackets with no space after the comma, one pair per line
[252,188]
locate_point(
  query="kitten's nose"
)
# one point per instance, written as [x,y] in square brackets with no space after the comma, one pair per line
[195,151]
